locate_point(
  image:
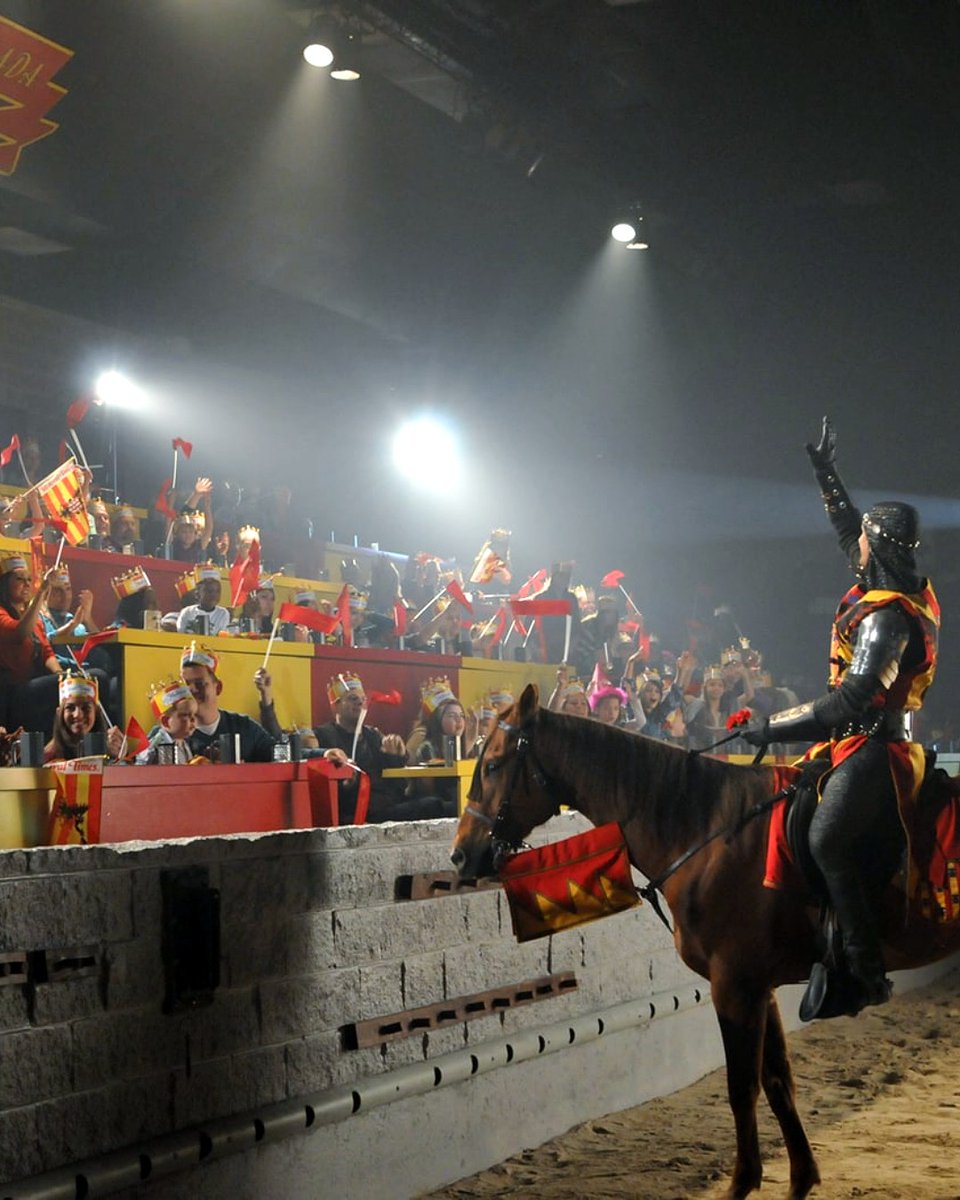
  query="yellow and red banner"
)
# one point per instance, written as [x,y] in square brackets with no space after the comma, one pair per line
[28,63]
[75,816]
[62,495]
[568,883]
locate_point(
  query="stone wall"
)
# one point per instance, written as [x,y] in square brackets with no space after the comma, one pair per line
[312,937]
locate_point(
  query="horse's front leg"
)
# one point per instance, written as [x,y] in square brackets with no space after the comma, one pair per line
[742,1013]
[778,1088]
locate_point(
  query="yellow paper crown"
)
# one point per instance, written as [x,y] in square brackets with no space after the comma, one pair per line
[248,533]
[166,694]
[711,673]
[197,655]
[436,692]
[573,687]
[340,684]
[14,563]
[77,687]
[730,655]
[499,699]
[61,577]
[192,517]
[185,583]
[207,571]
[130,582]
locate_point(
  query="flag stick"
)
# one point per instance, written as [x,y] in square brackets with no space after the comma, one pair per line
[26,477]
[629,599]
[76,442]
[356,733]
[566,636]
[63,540]
[273,634]
[176,455]
[430,604]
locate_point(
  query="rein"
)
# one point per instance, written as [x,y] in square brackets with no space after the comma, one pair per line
[503,843]
[649,890]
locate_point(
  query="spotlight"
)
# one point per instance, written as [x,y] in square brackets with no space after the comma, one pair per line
[320,49]
[347,65]
[425,450]
[116,391]
[630,232]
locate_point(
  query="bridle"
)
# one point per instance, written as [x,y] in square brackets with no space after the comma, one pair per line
[504,841]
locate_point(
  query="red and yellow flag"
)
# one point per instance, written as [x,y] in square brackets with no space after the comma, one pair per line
[567,883]
[75,816]
[28,63]
[62,495]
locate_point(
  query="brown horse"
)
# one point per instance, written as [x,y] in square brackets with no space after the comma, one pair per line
[746,939]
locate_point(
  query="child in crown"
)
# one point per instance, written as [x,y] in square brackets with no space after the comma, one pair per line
[175,708]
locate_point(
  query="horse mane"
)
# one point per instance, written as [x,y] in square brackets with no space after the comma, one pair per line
[680,796]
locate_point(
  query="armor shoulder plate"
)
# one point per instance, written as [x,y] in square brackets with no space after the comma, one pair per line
[882,637]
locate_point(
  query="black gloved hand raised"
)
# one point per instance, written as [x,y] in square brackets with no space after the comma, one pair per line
[757,733]
[825,452]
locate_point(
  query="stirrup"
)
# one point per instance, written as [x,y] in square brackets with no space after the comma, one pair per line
[830,993]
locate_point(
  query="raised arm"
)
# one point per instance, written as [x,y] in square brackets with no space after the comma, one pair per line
[844,516]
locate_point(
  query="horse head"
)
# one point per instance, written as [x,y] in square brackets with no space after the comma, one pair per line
[508,796]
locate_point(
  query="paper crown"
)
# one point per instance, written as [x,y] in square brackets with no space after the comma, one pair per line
[77,687]
[573,687]
[586,599]
[185,583]
[339,685]
[123,511]
[130,582]
[306,597]
[651,675]
[61,576]
[500,698]
[711,673]
[166,694]
[191,516]
[436,692]
[207,571]
[358,600]
[196,655]
[265,584]
[730,655]
[248,533]
[14,563]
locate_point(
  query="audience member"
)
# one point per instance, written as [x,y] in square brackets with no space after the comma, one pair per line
[135,596]
[28,665]
[123,531]
[369,750]
[569,696]
[79,714]
[207,617]
[175,708]
[198,667]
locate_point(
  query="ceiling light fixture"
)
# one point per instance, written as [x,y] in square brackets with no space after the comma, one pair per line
[630,232]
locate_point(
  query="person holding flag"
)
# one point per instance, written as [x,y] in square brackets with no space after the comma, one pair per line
[28,665]
[78,714]
[198,668]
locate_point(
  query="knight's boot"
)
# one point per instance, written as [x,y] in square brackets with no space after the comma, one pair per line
[866,968]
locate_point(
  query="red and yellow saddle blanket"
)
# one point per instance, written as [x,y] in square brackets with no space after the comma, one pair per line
[930,812]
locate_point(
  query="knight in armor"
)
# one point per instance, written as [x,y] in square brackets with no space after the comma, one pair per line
[882,660]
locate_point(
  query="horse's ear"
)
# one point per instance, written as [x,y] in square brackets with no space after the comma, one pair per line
[529,702]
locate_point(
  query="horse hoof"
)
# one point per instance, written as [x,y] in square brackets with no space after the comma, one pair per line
[801,1187]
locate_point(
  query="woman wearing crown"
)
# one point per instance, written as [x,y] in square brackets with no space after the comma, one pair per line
[28,665]
[78,714]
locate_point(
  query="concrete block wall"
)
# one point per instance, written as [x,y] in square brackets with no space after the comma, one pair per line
[312,938]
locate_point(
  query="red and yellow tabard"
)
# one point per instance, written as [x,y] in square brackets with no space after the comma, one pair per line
[923,610]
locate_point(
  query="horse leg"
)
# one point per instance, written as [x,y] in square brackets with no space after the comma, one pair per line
[743,1018]
[778,1087]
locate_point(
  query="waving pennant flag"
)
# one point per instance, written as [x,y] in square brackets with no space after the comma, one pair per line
[75,816]
[399,618]
[245,572]
[298,614]
[94,639]
[8,452]
[392,697]
[567,883]
[611,579]
[536,607]
[134,739]
[457,592]
[62,494]
[30,62]
[77,411]
[343,615]
[162,502]
[186,447]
